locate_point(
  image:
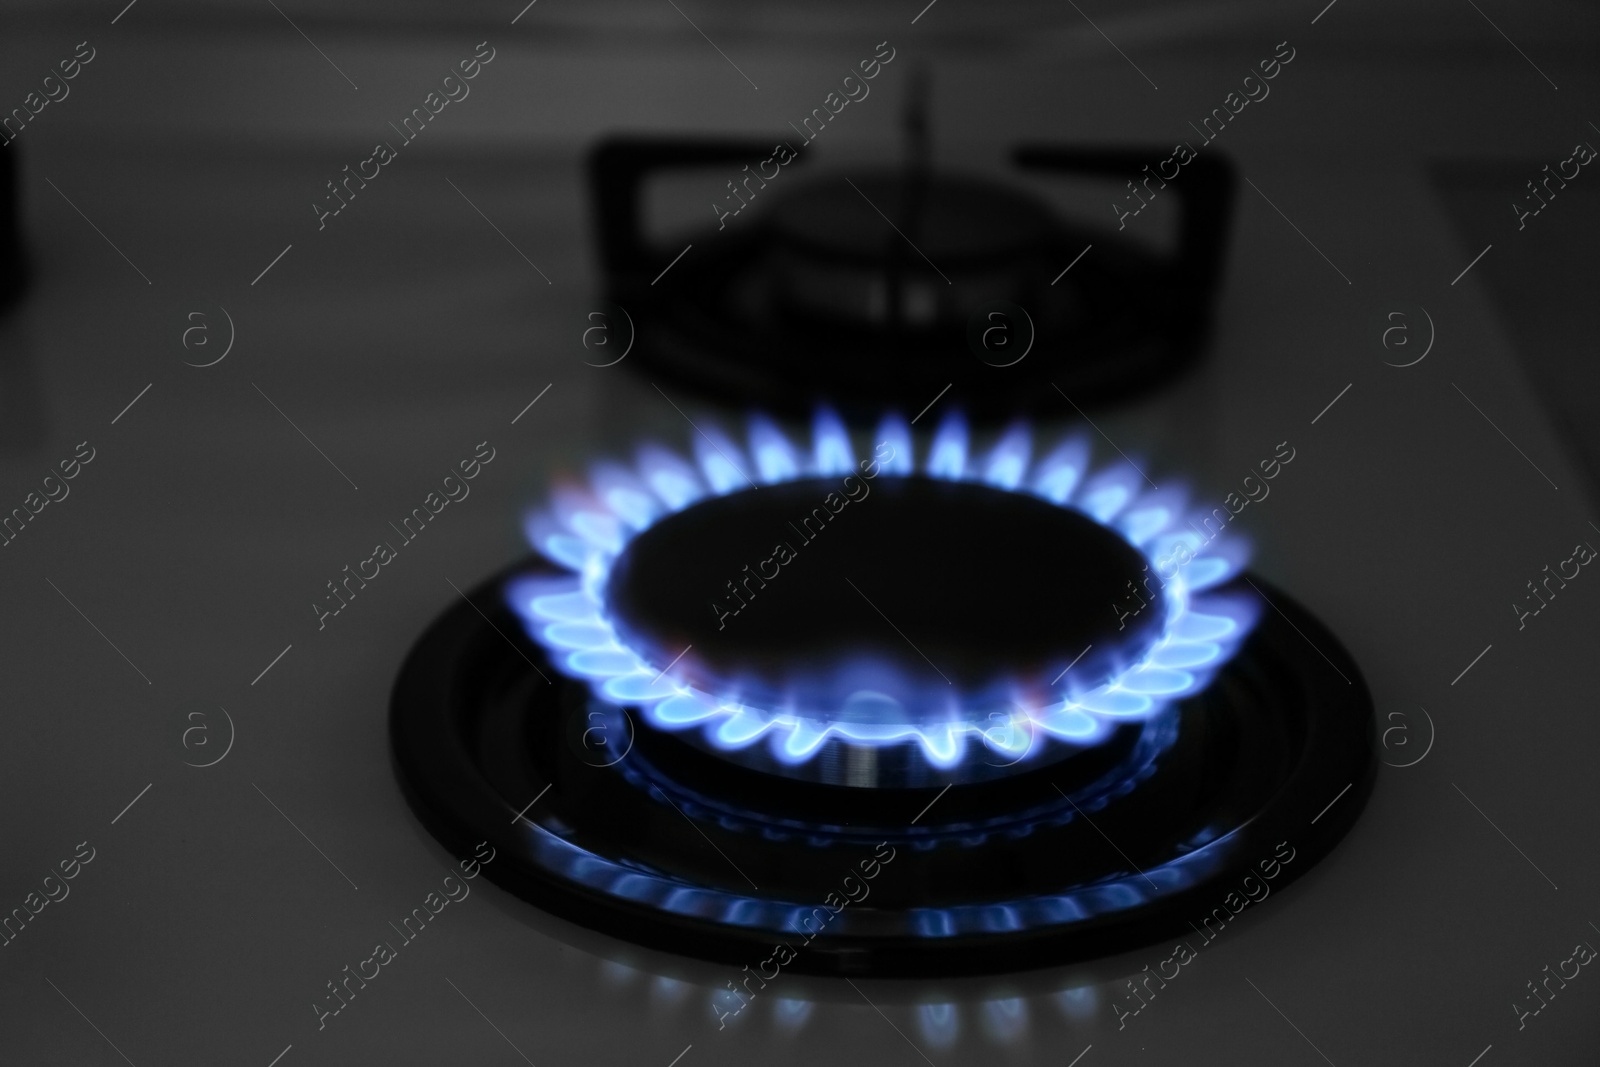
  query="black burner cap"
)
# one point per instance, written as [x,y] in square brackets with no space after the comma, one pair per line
[920,588]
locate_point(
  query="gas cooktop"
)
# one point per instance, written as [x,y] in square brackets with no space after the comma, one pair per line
[983,582]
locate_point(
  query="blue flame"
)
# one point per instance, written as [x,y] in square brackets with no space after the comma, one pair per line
[585,529]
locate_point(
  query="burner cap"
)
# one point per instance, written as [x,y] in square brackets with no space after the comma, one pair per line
[954,220]
[914,597]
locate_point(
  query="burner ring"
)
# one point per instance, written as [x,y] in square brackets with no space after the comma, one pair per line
[1258,758]
[603,625]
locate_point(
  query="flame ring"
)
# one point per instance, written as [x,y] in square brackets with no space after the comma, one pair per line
[586,530]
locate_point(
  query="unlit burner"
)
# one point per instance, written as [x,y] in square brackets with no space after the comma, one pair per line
[859,288]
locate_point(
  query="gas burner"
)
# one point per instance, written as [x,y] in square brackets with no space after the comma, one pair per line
[714,780]
[876,285]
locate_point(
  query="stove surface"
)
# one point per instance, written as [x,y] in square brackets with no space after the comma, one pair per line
[249,401]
